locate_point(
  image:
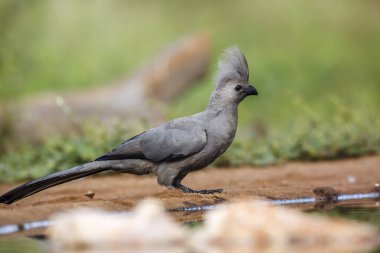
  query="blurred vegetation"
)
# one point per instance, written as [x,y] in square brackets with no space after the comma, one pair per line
[23,244]
[59,152]
[315,64]
[345,134]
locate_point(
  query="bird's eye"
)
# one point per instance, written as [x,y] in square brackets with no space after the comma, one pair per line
[238,87]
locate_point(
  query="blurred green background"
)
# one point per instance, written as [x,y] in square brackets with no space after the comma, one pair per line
[315,64]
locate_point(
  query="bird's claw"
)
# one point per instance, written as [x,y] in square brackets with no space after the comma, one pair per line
[209,191]
[189,190]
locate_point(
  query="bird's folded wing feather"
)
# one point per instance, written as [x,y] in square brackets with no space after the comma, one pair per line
[167,142]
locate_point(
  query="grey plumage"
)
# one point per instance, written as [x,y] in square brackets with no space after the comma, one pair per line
[233,65]
[173,149]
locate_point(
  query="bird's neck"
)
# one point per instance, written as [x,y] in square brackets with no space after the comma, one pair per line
[223,115]
[218,104]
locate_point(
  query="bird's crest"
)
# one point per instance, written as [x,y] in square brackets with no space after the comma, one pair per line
[232,65]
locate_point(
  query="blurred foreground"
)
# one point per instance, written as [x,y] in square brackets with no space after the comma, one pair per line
[121,193]
[239,227]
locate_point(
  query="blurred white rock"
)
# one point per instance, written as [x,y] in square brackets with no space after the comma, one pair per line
[260,227]
[146,229]
[249,226]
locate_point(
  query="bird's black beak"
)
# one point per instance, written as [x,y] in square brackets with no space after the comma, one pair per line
[252,91]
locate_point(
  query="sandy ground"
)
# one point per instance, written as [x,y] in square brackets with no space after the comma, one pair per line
[119,192]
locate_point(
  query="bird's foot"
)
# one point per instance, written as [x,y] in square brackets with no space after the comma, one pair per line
[189,190]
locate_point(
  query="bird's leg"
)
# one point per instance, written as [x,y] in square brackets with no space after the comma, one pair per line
[178,185]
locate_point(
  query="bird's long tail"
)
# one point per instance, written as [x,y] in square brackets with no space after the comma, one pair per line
[60,177]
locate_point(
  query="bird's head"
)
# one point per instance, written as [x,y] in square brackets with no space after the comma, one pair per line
[232,79]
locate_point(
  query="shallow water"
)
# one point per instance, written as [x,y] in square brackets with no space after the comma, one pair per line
[364,211]
[352,206]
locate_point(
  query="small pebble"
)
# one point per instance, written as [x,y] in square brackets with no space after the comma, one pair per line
[90,194]
[351,179]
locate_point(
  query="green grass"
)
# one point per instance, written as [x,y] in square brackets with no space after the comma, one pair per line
[314,63]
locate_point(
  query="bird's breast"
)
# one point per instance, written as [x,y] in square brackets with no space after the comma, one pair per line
[223,133]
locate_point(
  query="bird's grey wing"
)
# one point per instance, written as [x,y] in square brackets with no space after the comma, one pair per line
[167,142]
[129,149]
[173,143]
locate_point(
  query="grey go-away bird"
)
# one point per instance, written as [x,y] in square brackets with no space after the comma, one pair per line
[174,149]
